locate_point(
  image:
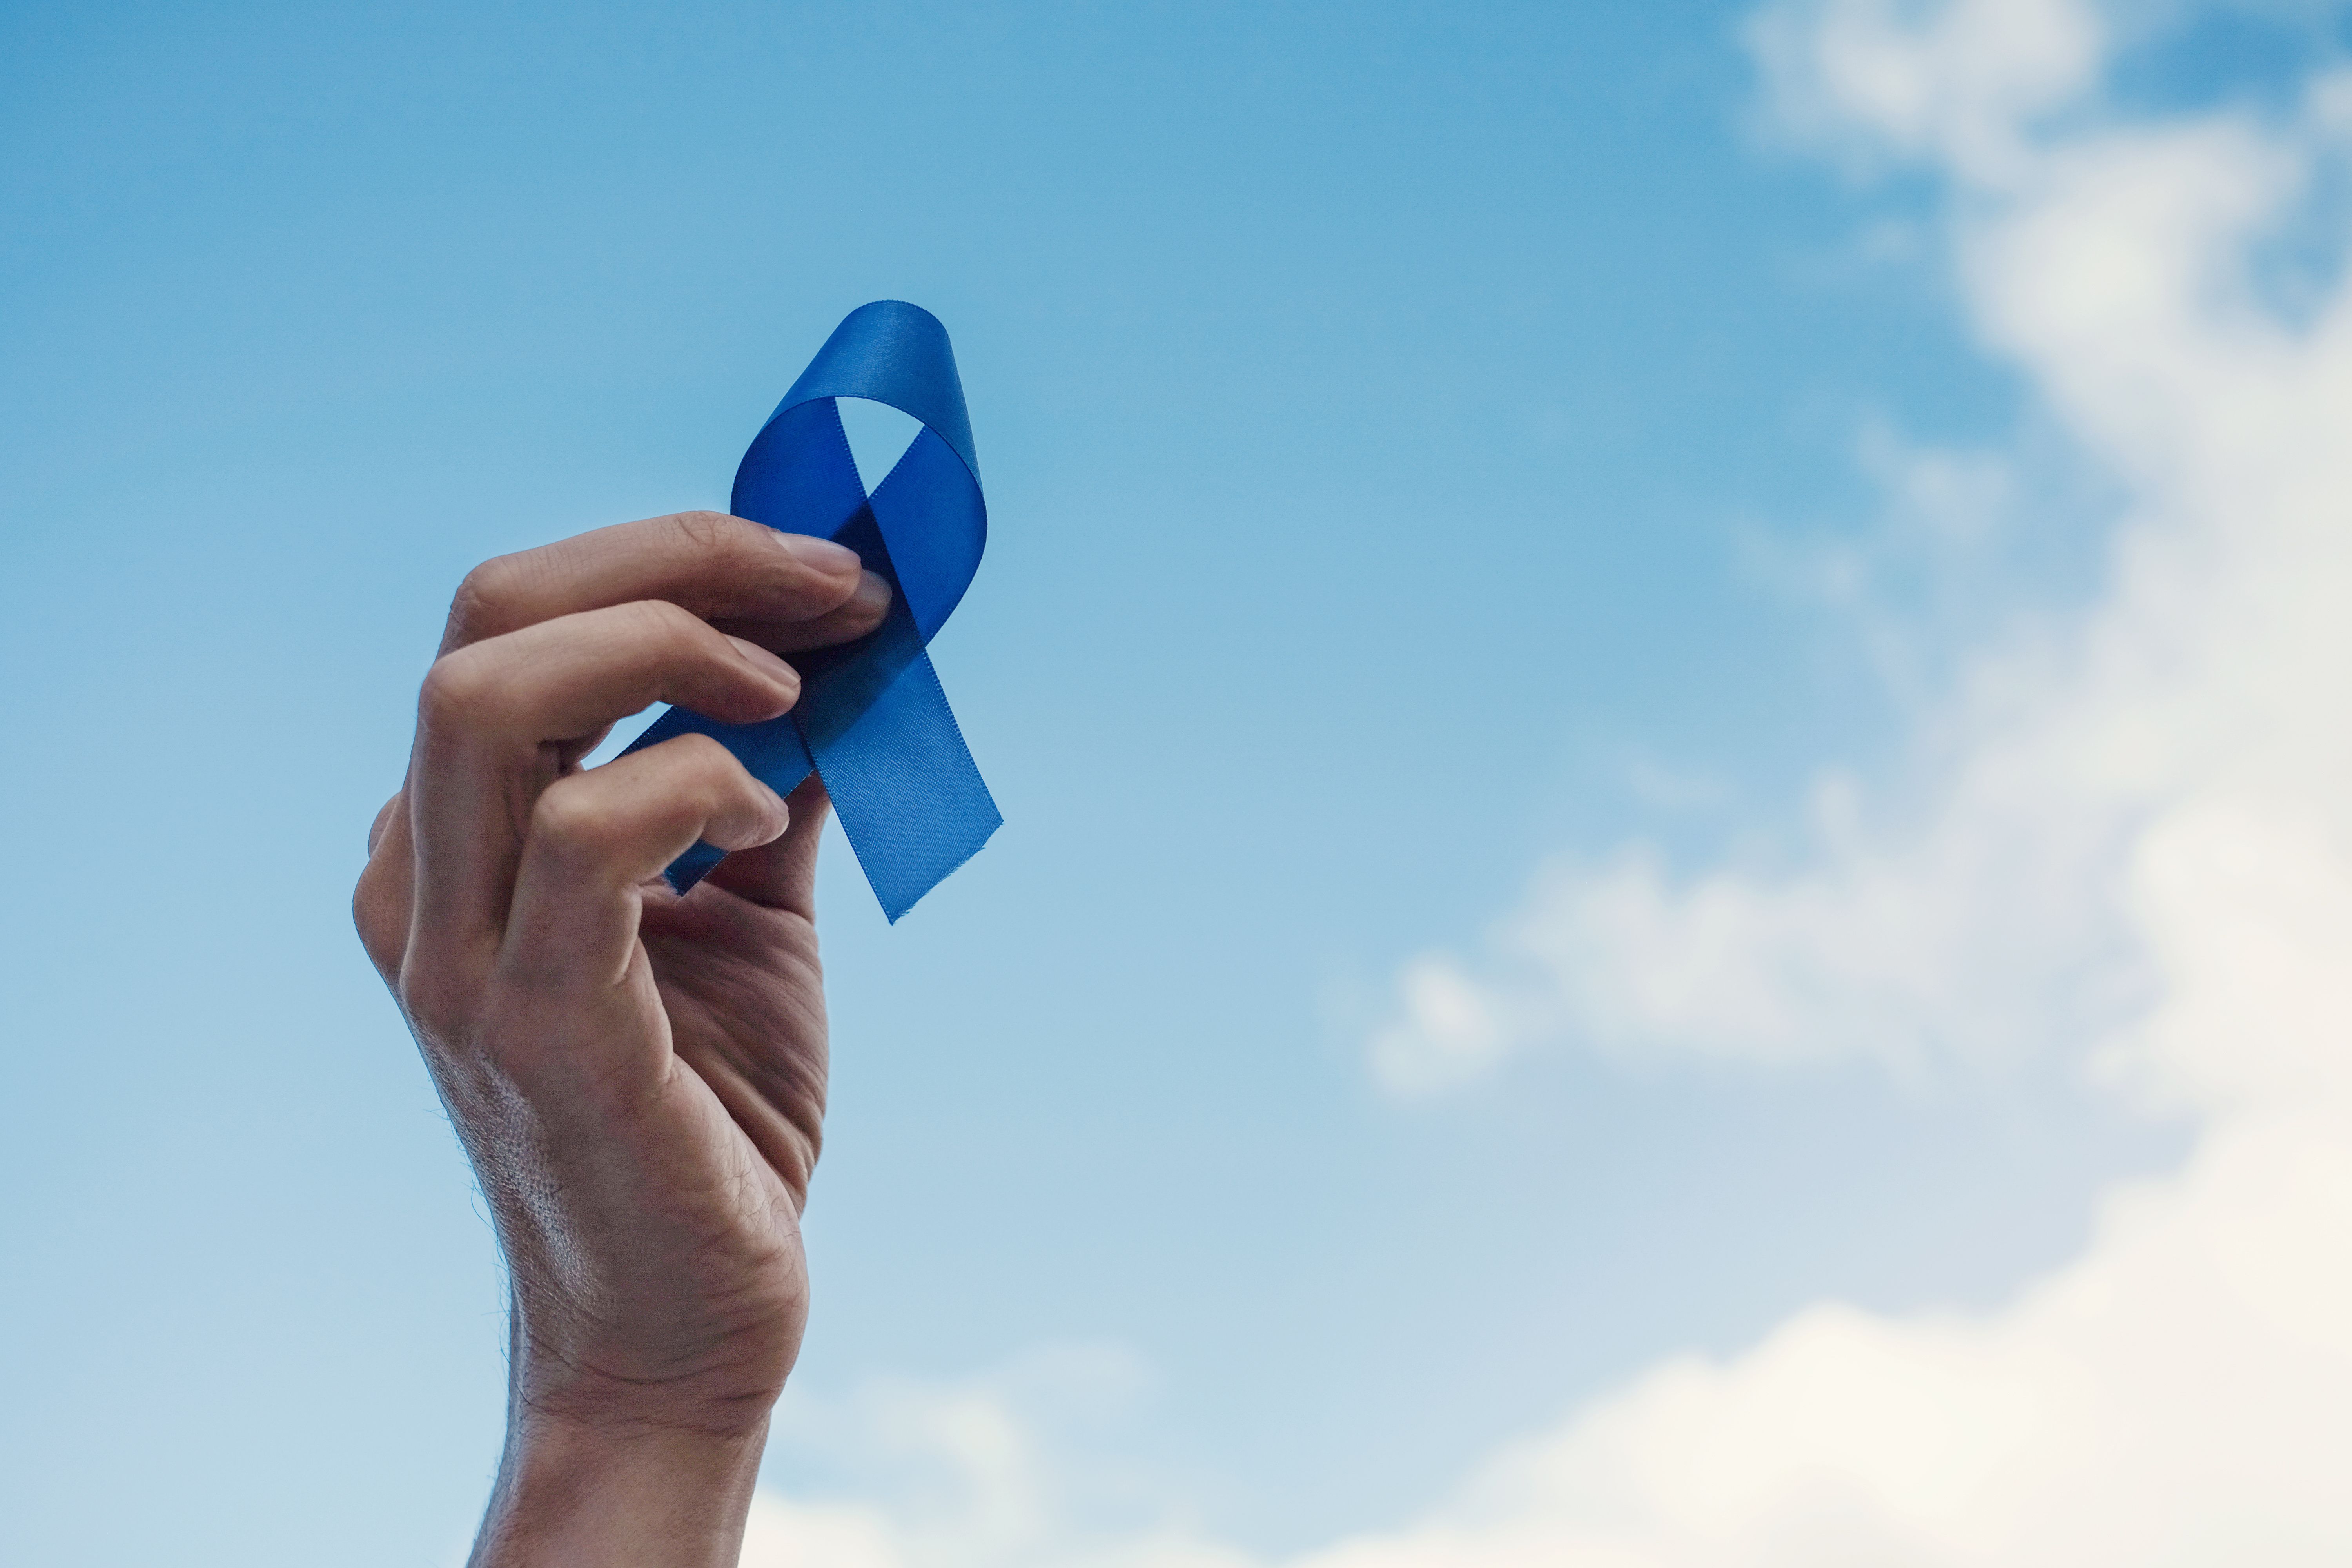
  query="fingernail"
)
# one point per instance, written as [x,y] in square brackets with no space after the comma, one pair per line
[873,594]
[819,554]
[767,664]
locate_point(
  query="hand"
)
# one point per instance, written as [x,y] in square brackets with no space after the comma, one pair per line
[637,1077]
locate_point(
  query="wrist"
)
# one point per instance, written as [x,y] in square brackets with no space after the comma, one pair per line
[719,1379]
[583,1495]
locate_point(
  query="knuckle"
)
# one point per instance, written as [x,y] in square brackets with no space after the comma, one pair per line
[455,692]
[704,530]
[381,923]
[383,818]
[668,628]
[487,603]
[436,1002]
[571,818]
[702,758]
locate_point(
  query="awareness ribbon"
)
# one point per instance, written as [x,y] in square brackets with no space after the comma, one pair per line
[871,719]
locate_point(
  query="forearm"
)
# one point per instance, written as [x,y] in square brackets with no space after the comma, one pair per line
[572,1496]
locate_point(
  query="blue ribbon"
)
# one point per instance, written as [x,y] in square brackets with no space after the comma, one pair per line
[872,720]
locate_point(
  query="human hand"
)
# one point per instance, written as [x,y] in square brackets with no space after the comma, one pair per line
[637,1077]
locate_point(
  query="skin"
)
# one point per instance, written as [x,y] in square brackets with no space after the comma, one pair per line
[637,1077]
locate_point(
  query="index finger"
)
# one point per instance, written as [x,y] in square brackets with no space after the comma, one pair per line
[719,567]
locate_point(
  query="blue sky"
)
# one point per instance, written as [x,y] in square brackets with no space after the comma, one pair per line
[1412,436]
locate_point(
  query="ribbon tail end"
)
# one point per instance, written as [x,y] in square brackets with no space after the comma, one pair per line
[895,909]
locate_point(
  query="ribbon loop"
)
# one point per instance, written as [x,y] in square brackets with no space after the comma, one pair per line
[872,720]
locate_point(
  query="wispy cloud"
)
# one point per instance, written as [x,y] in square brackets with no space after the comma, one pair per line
[1987,904]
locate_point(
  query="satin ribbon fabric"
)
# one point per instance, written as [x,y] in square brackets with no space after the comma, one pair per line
[872,720]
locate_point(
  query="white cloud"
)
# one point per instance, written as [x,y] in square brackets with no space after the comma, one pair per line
[2177,1397]
[1012,1469]
[2135,845]
[2119,266]
[1960,84]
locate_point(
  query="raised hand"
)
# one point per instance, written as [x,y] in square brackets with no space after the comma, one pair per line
[637,1077]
